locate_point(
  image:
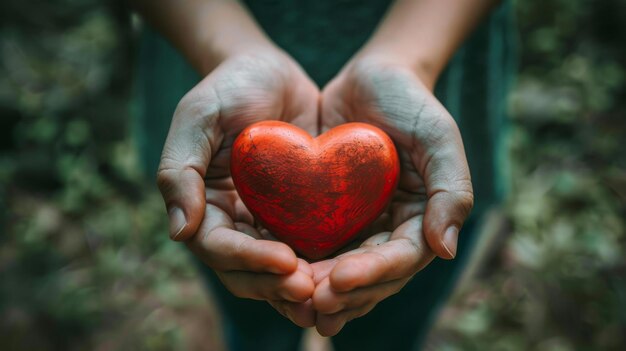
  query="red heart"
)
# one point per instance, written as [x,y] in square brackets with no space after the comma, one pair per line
[314,194]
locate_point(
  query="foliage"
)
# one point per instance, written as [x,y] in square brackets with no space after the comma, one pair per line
[558,280]
[85,258]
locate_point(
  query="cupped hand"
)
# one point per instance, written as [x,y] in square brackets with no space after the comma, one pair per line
[433,198]
[194,177]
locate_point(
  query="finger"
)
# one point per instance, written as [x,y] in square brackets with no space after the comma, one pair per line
[305,267]
[331,324]
[248,230]
[402,256]
[301,314]
[444,217]
[376,240]
[448,187]
[295,287]
[220,191]
[192,139]
[372,231]
[328,301]
[321,269]
[225,249]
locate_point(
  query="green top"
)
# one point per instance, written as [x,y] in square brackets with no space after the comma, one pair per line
[322,36]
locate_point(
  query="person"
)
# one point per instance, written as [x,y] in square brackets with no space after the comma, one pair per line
[394,65]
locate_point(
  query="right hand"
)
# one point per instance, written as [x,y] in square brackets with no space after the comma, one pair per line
[433,198]
[204,208]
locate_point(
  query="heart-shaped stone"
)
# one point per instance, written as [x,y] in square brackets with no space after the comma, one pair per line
[314,194]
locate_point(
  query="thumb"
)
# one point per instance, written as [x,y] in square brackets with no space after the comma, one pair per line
[188,149]
[449,191]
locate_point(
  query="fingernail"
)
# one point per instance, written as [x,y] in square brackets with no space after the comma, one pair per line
[177,222]
[450,239]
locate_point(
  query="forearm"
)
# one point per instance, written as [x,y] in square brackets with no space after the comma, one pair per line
[425,33]
[205,31]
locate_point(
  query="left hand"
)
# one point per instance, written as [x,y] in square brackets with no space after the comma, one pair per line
[433,199]
[195,181]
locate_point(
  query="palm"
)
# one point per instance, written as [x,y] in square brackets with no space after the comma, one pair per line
[434,192]
[253,90]
[194,175]
[385,98]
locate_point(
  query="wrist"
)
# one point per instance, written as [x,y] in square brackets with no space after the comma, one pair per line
[228,30]
[421,66]
[224,47]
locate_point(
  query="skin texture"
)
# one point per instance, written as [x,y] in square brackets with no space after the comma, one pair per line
[206,32]
[194,175]
[388,84]
[314,194]
[433,198]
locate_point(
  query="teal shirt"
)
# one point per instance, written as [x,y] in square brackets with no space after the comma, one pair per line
[322,36]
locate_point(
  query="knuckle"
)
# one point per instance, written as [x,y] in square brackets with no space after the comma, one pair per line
[165,180]
[382,261]
[465,201]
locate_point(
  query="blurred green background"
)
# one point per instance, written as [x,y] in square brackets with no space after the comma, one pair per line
[86,263]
